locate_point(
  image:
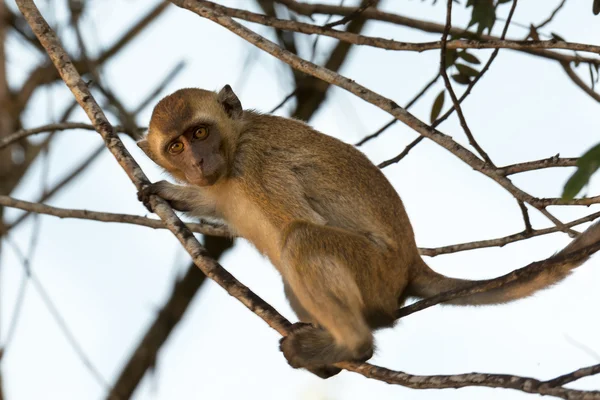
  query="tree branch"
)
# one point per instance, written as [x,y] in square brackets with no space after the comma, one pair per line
[203,227]
[60,126]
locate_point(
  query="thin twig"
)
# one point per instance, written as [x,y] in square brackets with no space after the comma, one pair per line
[284,101]
[552,15]
[455,102]
[159,88]
[502,241]
[356,13]
[468,90]
[393,121]
[525,213]
[57,316]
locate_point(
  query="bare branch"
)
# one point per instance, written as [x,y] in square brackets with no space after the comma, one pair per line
[85,164]
[579,82]
[485,42]
[550,162]
[60,126]
[309,9]
[527,385]
[500,242]
[203,227]
[573,376]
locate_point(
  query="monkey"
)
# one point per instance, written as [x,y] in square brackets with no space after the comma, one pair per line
[323,214]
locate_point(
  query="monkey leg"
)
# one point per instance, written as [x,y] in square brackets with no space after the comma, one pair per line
[317,264]
[305,318]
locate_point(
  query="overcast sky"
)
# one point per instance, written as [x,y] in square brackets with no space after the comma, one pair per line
[108,280]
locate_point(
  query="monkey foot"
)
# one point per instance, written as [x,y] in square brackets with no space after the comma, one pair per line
[298,345]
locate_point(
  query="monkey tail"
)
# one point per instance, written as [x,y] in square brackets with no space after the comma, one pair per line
[427,283]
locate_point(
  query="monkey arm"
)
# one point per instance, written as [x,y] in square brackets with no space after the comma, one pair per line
[189,199]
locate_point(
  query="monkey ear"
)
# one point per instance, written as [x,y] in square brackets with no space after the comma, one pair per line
[145,146]
[230,102]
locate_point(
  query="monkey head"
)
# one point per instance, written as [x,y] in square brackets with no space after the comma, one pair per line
[191,134]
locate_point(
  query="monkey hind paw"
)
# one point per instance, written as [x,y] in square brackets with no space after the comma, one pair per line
[324,372]
[313,348]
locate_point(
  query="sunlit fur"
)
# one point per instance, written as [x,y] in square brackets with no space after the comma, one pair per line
[324,215]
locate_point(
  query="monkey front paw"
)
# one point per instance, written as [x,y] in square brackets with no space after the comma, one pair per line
[301,347]
[145,192]
[143,195]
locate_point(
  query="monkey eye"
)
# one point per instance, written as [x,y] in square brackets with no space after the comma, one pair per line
[200,133]
[176,147]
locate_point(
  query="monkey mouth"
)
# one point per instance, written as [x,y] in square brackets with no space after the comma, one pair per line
[201,179]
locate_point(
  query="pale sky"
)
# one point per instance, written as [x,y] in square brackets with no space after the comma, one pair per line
[108,280]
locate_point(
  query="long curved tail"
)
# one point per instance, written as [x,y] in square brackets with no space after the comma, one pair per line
[426,282]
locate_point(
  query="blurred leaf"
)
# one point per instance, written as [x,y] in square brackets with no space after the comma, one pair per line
[437,105]
[557,37]
[468,57]
[462,79]
[451,56]
[466,70]
[586,166]
[483,14]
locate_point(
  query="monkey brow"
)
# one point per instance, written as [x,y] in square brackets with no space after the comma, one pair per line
[184,127]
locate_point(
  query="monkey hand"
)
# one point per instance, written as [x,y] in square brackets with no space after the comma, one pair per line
[145,192]
[294,345]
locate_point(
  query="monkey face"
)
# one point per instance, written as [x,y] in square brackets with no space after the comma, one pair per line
[197,154]
[189,131]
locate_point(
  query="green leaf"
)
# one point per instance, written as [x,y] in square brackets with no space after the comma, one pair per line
[483,14]
[437,105]
[587,165]
[466,70]
[468,57]
[462,79]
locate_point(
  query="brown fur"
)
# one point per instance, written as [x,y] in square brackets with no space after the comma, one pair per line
[324,215]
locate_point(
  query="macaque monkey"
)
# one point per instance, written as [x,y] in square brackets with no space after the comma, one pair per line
[324,215]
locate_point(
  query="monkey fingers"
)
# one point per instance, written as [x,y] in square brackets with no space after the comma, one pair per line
[144,194]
